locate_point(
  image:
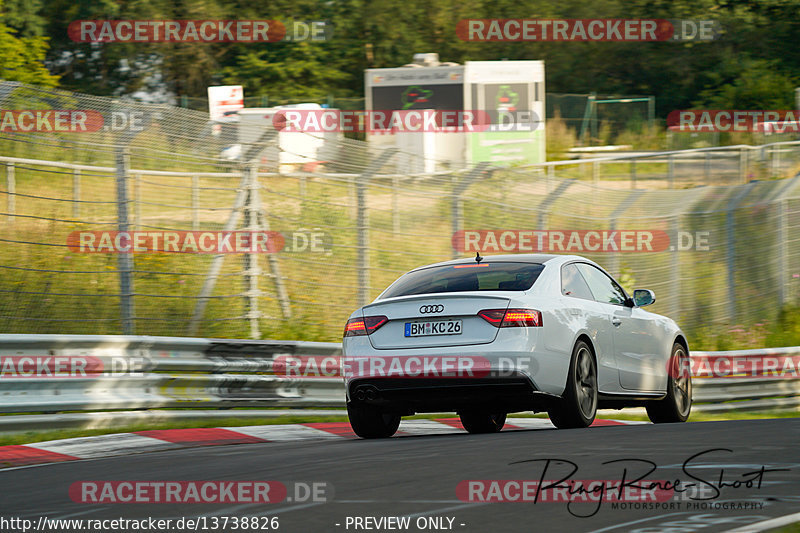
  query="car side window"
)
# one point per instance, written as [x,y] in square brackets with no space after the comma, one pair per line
[603,288]
[573,284]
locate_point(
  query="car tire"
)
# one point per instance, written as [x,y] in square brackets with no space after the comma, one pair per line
[677,404]
[370,422]
[482,422]
[578,406]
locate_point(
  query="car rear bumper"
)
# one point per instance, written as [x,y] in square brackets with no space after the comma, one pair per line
[514,353]
[407,396]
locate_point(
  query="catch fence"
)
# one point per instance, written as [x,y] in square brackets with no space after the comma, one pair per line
[713,230]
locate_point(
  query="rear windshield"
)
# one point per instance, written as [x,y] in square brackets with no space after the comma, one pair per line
[467,277]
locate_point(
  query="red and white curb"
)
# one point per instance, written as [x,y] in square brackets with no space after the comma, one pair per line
[55,451]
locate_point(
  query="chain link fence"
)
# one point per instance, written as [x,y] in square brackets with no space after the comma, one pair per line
[711,231]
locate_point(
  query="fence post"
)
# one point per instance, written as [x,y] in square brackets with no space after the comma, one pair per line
[743,165]
[782,240]
[76,193]
[195,202]
[11,186]
[671,171]
[776,161]
[395,202]
[125,260]
[613,262]
[242,197]
[783,268]
[456,204]
[216,263]
[251,269]
[352,186]
[456,214]
[137,200]
[730,251]
[362,222]
[675,270]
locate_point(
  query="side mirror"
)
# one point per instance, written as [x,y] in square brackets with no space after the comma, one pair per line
[643,297]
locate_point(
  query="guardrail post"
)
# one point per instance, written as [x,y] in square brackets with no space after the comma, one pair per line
[362,222]
[125,260]
[195,202]
[76,193]
[11,187]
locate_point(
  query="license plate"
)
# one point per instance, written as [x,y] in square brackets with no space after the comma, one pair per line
[434,327]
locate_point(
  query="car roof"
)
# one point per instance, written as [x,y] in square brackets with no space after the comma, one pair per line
[513,258]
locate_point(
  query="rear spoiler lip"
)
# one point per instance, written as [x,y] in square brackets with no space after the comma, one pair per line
[492,295]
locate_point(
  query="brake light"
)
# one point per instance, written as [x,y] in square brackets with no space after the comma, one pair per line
[512,318]
[363,326]
[524,318]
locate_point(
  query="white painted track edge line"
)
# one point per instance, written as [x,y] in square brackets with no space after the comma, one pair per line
[765,525]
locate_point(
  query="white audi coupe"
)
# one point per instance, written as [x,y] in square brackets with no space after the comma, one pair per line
[492,335]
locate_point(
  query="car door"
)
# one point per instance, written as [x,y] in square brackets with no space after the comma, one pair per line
[636,338]
[581,308]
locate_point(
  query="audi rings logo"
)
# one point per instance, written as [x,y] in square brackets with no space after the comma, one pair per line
[427,309]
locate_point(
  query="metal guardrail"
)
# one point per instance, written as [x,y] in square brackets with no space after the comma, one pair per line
[139,372]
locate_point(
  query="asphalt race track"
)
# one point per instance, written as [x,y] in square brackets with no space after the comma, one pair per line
[416,477]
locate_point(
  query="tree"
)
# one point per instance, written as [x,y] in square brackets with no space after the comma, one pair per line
[23,57]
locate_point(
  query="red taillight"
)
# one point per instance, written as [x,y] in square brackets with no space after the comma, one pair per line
[493,316]
[363,326]
[512,318]
[524,318]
